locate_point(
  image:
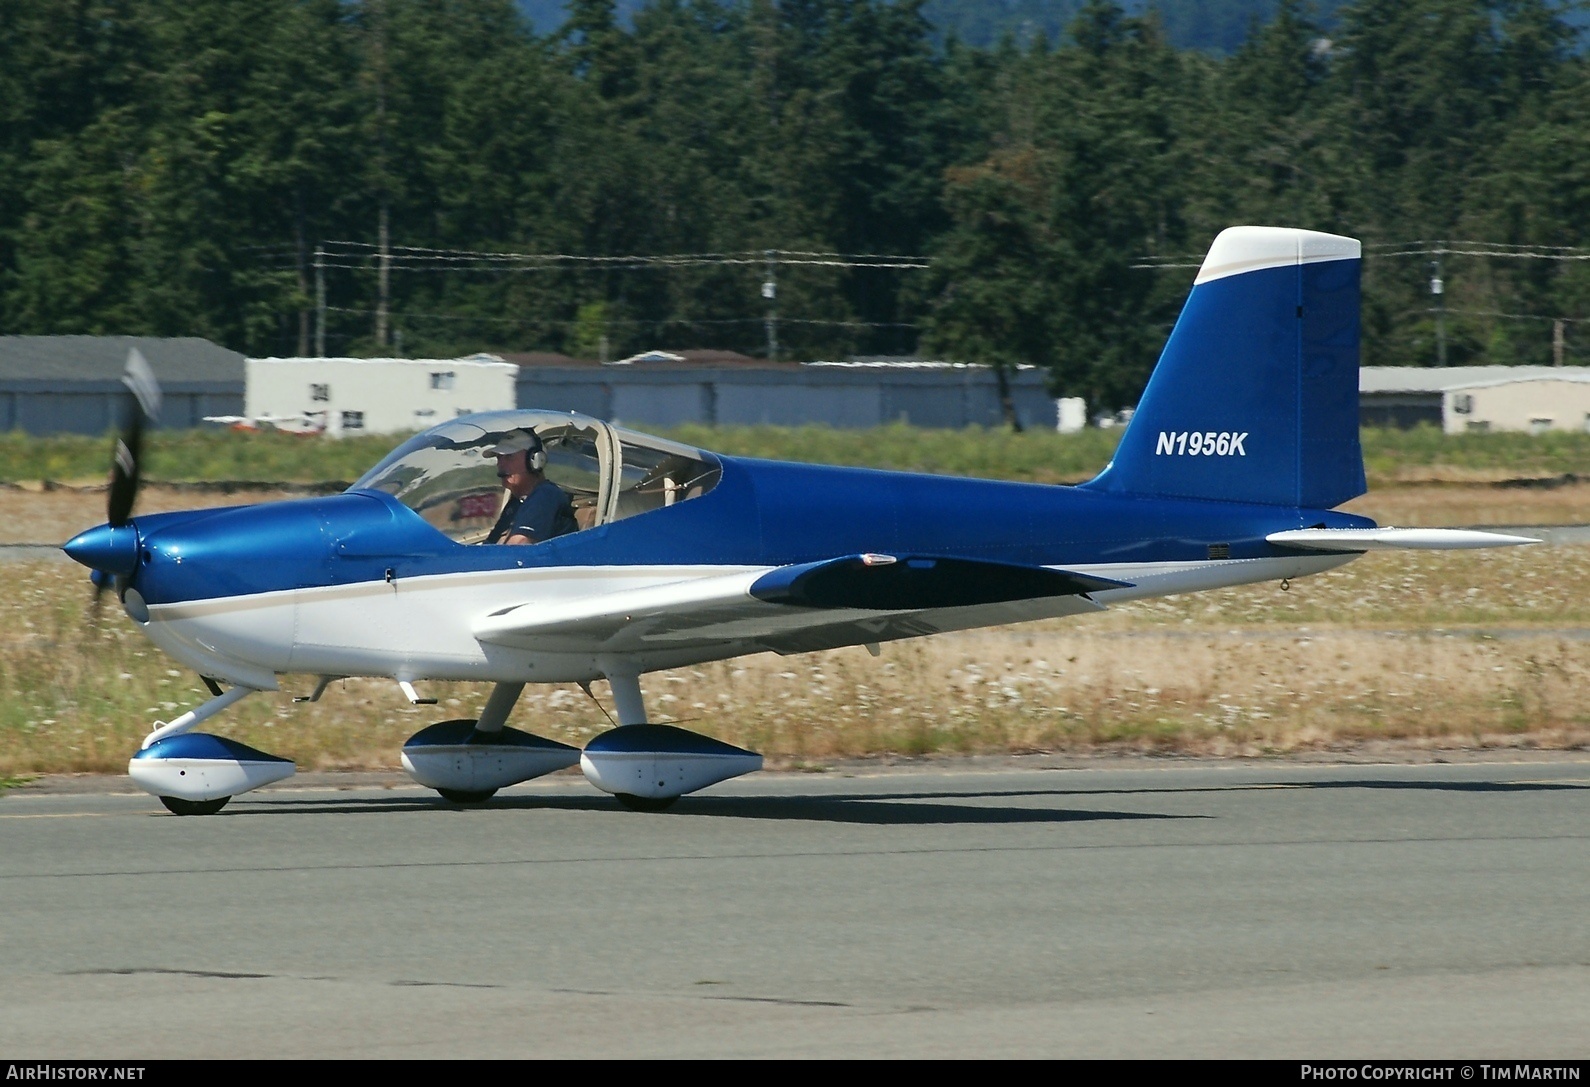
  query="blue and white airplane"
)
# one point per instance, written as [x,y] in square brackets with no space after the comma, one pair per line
[1244,441]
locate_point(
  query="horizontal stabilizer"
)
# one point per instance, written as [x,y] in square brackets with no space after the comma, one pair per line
[846,601]
[1393,539]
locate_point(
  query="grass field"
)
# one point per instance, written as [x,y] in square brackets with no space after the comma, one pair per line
[1446,649]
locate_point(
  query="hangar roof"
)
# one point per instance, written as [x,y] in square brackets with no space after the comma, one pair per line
[175,360]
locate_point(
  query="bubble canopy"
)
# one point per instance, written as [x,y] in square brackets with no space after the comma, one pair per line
[446,476]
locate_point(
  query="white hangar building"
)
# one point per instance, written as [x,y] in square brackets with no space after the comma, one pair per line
[375,396]
[1464,399]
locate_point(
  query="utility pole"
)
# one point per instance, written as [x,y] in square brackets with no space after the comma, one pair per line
[383,164]
[384,276]
[300,265]
[1438,292]
[320,301]
[770,292]
[1558,345]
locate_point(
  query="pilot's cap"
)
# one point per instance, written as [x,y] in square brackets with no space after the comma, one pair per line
[515,441]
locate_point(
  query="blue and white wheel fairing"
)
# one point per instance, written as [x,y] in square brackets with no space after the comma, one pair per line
[462,763]
[660,762]
[196,766]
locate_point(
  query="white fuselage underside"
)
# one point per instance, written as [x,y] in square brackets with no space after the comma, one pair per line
[421,628]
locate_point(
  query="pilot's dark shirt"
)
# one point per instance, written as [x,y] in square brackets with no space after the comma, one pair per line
[542,514]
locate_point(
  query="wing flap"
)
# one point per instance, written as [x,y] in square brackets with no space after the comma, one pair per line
[845,601]
[1394,539]
[897,625]
[916,583]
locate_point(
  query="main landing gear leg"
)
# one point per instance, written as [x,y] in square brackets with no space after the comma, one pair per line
[501,703]
[627,699]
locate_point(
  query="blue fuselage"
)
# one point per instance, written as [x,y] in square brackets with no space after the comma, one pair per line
[762,513]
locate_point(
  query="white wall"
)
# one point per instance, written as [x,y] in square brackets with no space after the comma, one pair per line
[1529,404]
[376,396]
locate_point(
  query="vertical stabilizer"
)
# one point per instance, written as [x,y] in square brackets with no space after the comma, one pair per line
[1255,398]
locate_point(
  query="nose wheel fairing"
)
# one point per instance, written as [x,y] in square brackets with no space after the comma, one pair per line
[197,767]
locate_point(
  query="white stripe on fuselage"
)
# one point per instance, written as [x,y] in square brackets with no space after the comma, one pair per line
[420,627]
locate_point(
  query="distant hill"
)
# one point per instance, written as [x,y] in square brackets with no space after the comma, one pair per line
[1216,26]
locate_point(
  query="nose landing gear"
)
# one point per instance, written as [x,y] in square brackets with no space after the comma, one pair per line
[195,773]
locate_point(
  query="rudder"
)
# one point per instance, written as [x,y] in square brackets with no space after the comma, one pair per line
[1255,397]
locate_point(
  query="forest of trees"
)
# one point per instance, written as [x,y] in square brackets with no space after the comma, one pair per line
[169,167]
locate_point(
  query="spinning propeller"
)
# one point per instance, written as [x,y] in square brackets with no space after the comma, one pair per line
[111,550]
[142,403]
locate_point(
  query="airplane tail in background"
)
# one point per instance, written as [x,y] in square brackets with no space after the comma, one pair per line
[1255,398]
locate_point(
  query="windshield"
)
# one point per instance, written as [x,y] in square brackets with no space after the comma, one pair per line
[447,477]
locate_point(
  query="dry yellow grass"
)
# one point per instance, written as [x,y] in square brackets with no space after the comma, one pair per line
[1437,505]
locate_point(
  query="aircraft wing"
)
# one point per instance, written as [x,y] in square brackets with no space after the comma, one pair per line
[1390,539]
[853,600]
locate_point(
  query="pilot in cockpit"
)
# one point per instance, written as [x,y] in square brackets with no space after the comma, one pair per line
[537,509]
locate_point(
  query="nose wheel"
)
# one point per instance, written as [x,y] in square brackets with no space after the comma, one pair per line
[178,806]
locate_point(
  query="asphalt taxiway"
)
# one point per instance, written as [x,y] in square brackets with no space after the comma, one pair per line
[1145,908]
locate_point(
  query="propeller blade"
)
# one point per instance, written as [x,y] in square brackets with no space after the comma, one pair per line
[101,582]
[124,472]
[141,380]
[143,406]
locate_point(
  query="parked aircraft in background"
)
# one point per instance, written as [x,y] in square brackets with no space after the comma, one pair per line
[1245,440]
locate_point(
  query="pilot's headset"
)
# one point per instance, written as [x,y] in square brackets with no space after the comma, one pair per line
[525,441]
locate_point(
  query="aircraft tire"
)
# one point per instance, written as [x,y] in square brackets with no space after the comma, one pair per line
[645,803]
[178,806]
[467,796]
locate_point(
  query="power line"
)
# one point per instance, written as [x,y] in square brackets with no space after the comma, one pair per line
[1418,248]
[636,322]
[357,256]
[1515,316]
[1480,249]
